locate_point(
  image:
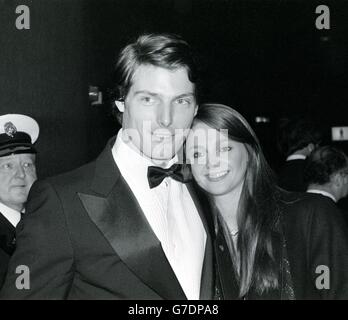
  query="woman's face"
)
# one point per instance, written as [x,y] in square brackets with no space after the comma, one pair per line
[218,163]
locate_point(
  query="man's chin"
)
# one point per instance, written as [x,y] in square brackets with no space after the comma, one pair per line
[161,154]
[162,157]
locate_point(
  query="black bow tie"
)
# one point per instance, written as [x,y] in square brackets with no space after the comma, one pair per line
[155,175]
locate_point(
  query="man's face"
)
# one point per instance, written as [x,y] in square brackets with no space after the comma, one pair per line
[159,106]
[17,174]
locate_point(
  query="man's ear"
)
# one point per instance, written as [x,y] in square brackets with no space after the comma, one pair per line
[337,179]
[311,147]
[196,110]
[120,105]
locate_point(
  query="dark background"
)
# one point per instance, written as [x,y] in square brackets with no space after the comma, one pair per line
[262,57]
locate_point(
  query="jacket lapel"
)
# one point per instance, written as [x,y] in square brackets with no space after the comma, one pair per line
[118,216]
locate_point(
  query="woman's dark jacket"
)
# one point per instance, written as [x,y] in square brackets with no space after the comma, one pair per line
[311,247]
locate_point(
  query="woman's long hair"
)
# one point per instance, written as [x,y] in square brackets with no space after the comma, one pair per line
[257,208]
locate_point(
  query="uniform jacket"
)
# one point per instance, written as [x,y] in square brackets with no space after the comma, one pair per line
[311,233]
[7,245]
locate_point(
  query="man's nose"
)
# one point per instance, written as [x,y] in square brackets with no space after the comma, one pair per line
[20,172]
[165,115]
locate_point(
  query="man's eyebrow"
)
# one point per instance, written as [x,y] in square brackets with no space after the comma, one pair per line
[146,92]
[188,94]
[183,95]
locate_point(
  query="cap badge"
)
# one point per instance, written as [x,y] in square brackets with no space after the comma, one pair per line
[10,129]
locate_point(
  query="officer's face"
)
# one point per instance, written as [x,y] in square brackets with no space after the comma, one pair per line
[17,174]
[159,106]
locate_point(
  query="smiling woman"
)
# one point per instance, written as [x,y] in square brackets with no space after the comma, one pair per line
[267,231]
[220,164]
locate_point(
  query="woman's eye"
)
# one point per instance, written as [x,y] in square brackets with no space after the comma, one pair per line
[197,155]
[226,149]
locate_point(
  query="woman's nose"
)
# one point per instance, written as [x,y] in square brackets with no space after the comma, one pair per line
[213,161]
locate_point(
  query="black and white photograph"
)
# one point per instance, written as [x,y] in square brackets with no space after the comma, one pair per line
[174,150]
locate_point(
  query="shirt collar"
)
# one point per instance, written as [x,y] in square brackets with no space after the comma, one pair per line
[296,157]
[13,216]
[130,159]
[322,192]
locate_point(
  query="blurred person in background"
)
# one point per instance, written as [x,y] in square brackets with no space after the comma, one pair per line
[297,138]
[326,173]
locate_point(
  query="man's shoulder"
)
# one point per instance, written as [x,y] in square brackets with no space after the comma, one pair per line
[64,185]
[84,174]
[306,199]
[78,175]
[303,207]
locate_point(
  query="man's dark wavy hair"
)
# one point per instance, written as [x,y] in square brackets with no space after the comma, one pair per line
[164,50]
[296,133]
[322,163]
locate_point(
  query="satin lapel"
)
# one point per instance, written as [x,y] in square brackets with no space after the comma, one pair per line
[207,279]
[119,217]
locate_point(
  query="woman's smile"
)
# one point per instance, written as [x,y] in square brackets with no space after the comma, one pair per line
[215,176]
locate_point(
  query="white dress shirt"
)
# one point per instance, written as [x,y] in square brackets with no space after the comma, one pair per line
[296,157]
[185,251]
[322,192]
[13,216]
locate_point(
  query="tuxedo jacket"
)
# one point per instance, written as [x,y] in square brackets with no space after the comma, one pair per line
[85,237]
[7,245]
[312,234]
[290,176]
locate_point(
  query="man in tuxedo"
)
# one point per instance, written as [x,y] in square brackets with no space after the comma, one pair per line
[297,138]
[17,174]
[326,173]
[125,226]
